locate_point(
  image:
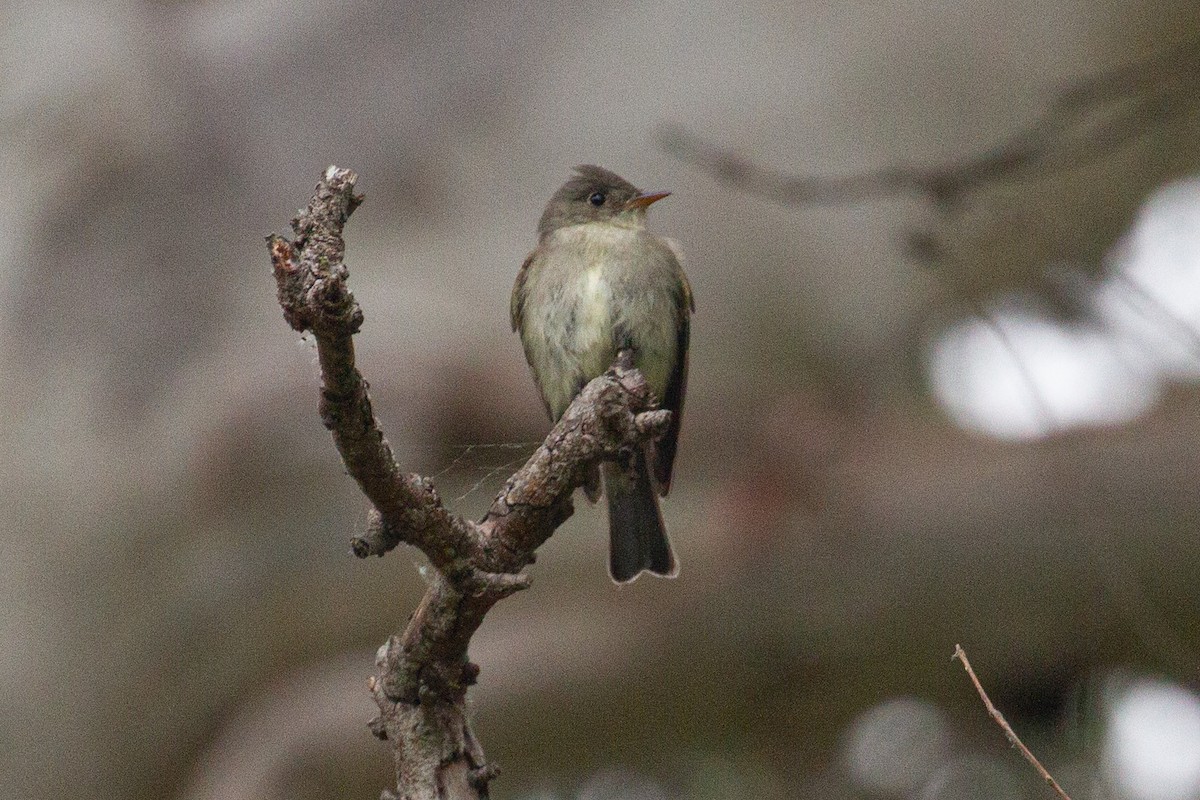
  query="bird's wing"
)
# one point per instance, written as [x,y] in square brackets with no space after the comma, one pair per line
[663,455]
[515,305]
[516,310]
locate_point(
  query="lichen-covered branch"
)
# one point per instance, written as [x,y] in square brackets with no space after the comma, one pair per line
[422,675]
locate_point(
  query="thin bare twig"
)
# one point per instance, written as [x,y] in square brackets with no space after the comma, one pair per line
[1009,733]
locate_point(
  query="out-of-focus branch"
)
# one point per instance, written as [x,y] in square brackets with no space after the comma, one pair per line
[1085,122]
[1020,218]
[422,675]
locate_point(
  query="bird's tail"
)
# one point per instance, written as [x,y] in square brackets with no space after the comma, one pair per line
[638,542]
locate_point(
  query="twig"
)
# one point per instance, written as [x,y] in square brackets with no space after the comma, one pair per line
[1009,733]
[423,674]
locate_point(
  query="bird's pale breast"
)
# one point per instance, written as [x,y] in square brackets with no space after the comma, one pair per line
[593,286]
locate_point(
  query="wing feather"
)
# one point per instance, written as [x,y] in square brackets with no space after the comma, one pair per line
[663,454]
[516,311]
[516,305]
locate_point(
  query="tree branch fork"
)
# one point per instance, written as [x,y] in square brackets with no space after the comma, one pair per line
[422,675]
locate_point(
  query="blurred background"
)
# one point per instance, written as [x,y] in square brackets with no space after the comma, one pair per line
[943,390]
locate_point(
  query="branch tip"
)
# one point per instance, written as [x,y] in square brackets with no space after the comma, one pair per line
[379,538]
[481,777]
[378,727]
[652,424]
[498,584]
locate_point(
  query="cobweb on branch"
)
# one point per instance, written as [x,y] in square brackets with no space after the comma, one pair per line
[480,459]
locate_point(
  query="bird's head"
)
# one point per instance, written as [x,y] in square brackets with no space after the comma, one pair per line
[594,194]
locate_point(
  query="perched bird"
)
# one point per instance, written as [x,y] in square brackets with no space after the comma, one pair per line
[599,282]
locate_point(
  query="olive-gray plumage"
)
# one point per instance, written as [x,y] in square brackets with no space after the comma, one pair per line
[599,282]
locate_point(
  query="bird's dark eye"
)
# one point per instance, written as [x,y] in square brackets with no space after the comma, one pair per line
[597,198]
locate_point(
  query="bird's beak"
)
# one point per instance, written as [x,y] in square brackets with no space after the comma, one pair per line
[645,199]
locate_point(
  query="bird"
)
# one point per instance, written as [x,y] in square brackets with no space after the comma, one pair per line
[599,282]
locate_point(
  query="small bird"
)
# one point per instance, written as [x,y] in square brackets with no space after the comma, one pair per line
[599,282]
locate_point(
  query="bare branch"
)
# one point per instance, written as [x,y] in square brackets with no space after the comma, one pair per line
[1088,120]
[422,675]
[311,278]
[1009,733]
